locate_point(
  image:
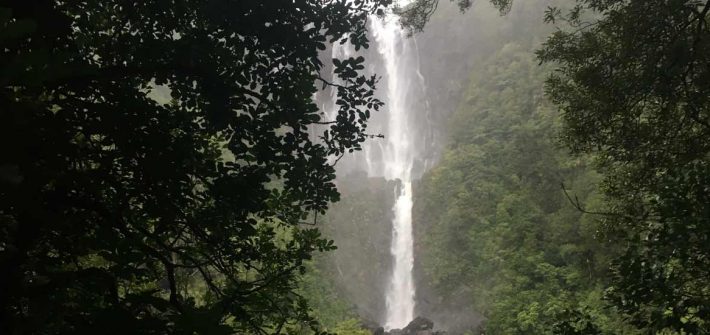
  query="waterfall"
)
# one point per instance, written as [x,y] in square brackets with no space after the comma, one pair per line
[398,159]
[404,153]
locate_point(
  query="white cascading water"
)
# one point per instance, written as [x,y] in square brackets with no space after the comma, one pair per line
[398,158]
[394,159]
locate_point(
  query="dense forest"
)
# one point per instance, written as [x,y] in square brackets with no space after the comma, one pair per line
[595,220]
[194,166]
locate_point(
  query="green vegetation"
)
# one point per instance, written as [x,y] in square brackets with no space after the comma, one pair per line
[494,215]
[160,172]
[633,90]
[348,283]
[623,251]
[122,214]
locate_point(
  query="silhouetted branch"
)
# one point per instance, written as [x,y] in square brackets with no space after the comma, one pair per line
[328,83]
[577,205]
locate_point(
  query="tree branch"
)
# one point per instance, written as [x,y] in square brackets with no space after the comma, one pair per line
[577,205]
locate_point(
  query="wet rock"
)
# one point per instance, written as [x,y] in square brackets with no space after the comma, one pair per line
[419,325]
[370,325]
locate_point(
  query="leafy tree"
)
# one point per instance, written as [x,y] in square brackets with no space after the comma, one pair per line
[416,14]
[326,302]
[632,86]
[120,213]
[631,81]
[575,322]
[497,222]
[350,327]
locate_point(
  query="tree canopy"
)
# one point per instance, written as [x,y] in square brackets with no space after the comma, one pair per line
[123,213]
[633,86]
[164,165]
[631,81]
[494,223]
[415,15]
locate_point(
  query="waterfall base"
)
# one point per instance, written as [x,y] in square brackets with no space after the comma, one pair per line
[418,326]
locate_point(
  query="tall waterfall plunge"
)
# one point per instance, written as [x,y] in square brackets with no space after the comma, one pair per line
[398,159]
[401,156]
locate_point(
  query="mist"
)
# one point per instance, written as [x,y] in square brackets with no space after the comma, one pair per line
[425,77]
[355,167]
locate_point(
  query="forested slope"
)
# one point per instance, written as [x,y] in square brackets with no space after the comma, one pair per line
[586,216]
[346,287]
[492,218]
[629,80]
[160,173]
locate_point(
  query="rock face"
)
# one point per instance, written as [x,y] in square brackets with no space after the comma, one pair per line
[418,326]
[361,225]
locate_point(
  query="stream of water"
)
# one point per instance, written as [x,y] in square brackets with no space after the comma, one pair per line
[395,158]
[398,158]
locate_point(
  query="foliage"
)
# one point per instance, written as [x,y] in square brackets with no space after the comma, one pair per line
[123,214]
[350,327]
[329,307]
[360,225]
[416,15]
[631,79]
[575,322]
[632,87]
[497,220]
